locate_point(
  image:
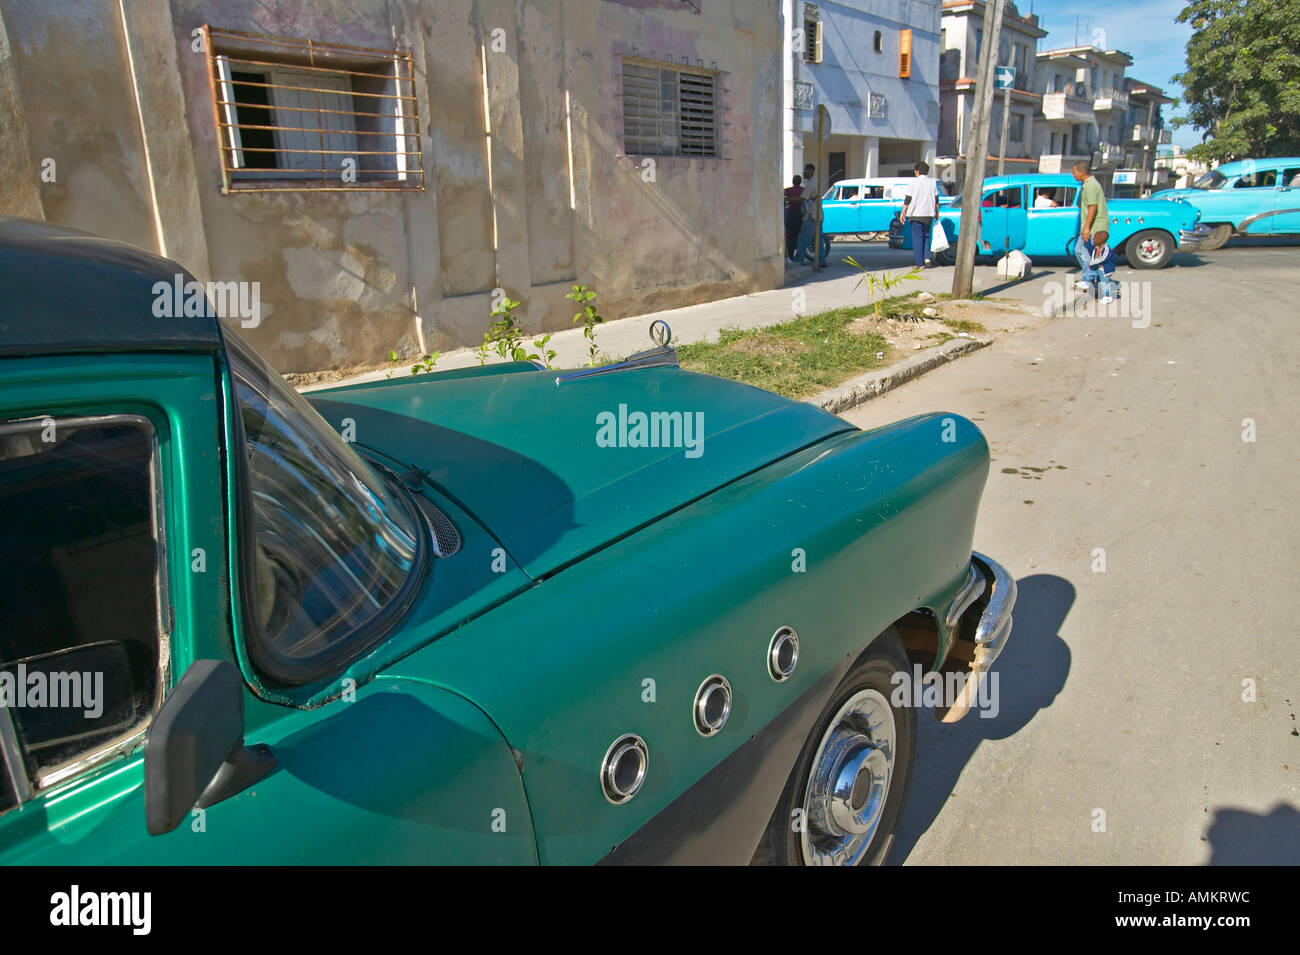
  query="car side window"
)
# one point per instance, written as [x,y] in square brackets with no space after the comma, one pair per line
[1290,177]
[1008,198]
[1257,179]
[79,619]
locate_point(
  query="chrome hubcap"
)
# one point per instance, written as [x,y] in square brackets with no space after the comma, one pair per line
[1149,250]
[849,781]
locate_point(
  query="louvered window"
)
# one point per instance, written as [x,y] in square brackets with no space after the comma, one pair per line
[905,53]
[669,110]
[812,50]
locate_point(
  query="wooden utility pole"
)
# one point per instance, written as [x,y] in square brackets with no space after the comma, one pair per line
[976,151]
[1151,118]
[823,132]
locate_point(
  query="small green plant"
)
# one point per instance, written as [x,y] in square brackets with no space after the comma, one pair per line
[585,296]
[543,354]
[425,364]
[392,362]
[505,334]
[879,283]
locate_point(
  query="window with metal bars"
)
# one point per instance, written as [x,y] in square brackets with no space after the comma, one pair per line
[294,115]
[670,110]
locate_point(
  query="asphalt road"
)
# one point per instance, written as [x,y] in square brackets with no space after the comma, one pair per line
[1121,691]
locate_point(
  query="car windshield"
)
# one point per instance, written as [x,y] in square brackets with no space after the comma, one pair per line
[1211,180]
[332,543]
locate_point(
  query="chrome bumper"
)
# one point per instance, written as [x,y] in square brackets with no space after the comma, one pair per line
[991,631]
[1189,240]
[994,628]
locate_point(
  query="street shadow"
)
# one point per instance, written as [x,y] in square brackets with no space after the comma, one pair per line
[1241,837]
[1032,670]
[1029,276]
[1262,241]
[1184,260]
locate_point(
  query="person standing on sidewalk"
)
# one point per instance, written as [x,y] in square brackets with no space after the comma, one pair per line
[812,214]
[921,206]
[1094,230]
[793,216]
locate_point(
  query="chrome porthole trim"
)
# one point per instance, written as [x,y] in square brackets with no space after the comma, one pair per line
[623,770]
[712,705]
[783,654]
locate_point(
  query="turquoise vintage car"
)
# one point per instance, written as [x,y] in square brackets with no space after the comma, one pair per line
[857,206]
[1248,197]
[1015,214]
[500,614]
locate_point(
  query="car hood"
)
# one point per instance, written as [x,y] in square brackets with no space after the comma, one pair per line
[555,470]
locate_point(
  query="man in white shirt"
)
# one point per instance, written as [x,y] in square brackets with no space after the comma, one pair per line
[812,214]
[921,205]
[1043,199]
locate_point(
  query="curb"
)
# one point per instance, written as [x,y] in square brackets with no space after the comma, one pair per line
[873,384]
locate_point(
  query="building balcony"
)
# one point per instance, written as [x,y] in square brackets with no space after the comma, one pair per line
[1068,106]
[1149,135]
[1110,100]
[1060,162]
[1111,152]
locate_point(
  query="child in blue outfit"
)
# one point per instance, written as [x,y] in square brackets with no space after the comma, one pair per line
[1098,264]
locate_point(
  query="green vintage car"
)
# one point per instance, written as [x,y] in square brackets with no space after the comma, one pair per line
[622,614]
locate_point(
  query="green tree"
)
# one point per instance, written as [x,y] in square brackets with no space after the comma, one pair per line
[1242,82]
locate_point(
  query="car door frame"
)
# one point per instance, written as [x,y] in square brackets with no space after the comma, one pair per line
[167,391]
[1049,230]
[1285,219]
[997,222]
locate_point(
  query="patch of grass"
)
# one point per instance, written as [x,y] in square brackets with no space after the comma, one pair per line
[974,296]
[963,325]
[796,358]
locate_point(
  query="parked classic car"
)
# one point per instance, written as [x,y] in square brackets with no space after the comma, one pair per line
[1248,197]
[482,615]
[855,206]
[1014,215]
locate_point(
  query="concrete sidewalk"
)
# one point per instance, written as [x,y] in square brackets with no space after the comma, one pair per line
[809,293]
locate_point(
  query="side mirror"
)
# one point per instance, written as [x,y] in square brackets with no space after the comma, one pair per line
[195,755]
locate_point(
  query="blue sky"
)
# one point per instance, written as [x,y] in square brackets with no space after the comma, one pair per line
[1143,28]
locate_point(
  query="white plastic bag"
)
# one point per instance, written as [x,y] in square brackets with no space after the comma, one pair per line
[938,238]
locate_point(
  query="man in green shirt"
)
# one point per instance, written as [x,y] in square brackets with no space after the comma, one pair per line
[1094,230]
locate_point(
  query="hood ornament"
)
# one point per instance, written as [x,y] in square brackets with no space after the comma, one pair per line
[661,355]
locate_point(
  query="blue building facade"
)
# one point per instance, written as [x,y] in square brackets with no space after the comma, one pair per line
[874,64]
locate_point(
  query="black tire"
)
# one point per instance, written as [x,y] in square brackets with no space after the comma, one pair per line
[1149,249]
[1218,237]
[946,257]
[784,842]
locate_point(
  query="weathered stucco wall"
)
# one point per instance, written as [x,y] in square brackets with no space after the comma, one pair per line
[530,198]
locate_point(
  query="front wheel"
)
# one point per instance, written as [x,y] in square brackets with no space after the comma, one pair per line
[1217,239]
[844,801]
[1150,249]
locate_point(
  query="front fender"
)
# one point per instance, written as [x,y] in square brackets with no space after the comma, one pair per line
[838,541]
